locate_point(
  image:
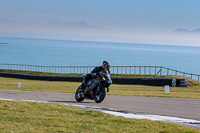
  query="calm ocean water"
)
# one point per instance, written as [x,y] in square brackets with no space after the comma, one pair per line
[75,53]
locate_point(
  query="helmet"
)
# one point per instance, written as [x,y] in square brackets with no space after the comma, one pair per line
[106,64]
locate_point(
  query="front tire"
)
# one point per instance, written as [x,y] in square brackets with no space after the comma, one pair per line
[79,95]
[100,95]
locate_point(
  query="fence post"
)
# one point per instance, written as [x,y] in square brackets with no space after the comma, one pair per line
[140,69]
[135,69]
[198,77]
[130,70]
[117,69]
[167,71]
[121,69]
[161,70]
[150,70]
[144,70]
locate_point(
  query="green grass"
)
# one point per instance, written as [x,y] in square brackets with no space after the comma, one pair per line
[70,87]
[40,117]
[192,91]
[51,117]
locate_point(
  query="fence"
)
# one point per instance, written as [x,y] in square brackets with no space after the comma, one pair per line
[145,70]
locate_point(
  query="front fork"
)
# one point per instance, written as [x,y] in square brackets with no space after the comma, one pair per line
[82,90]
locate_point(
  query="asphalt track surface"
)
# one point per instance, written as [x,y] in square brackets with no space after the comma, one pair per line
[175,107]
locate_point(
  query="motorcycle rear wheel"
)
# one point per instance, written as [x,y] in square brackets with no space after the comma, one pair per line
[79,94]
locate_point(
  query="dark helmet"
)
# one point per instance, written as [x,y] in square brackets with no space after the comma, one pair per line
[106,64]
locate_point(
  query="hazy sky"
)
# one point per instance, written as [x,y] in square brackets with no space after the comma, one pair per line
[136,21]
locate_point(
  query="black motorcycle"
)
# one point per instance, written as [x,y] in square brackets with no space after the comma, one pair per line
[95,88]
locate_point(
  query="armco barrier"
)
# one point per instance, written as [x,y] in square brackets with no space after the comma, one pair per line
[143,70]
[175,82]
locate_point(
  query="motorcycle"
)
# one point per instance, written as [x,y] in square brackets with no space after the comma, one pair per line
[95,88]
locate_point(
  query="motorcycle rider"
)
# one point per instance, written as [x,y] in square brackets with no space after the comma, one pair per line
[105,66]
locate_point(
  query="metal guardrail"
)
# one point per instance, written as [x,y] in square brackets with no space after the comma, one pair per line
[145,70]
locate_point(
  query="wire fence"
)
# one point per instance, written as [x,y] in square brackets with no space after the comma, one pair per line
[143,70]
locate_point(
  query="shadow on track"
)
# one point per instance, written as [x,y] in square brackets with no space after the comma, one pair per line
[68,102]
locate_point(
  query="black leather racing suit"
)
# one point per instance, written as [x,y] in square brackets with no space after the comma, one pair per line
[98,69]
[94,72]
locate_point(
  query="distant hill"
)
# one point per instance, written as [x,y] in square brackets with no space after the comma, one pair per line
[80,24]
[196,30]
[187,31]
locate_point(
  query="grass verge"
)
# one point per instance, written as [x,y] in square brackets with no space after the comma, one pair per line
[52,117]
[70,87]
[192,91]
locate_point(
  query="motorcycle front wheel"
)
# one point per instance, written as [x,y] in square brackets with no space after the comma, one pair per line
[79,95]
[100,94]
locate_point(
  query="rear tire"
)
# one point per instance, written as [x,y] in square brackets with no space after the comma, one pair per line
[79,94]
[99,96]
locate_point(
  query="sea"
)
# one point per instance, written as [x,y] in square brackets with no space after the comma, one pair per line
[49,52]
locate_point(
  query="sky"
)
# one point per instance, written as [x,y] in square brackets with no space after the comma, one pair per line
[131,21]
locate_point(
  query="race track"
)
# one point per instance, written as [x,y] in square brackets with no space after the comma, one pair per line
[175,107]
